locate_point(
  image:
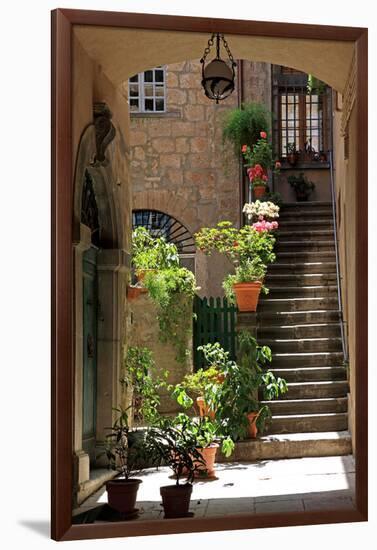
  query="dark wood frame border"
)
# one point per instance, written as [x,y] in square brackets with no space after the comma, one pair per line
[62,274]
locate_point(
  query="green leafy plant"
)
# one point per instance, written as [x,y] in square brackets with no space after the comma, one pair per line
[194,385]
[249,271]
[302,186]
[172,291]
[125,446]
[315,85]
[239,245]
[244,125]
[172,443]
[141,374]
[238,394]
[149,252]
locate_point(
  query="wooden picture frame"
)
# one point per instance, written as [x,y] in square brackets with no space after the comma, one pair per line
[63,21]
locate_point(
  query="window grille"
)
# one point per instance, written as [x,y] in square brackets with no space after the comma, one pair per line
[147,91]
[163,225]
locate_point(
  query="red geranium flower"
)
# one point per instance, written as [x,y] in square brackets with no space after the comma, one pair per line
[263,135]
[244,148]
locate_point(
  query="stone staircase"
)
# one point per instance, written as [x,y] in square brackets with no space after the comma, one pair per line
[299,320]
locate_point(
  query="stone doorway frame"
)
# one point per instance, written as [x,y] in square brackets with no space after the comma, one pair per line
[63,21]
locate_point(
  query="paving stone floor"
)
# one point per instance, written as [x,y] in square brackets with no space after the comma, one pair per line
[266,486]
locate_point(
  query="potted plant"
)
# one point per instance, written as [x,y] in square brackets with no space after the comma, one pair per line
[238,409]
[258,161]
[302,186]
[244,125]
[261,210]
[172,445]
[125,450]
[201,384]
[245,285]
[141,377]
[151,253]
[249,248]
[292,155]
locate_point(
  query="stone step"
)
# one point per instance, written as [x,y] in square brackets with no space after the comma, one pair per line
[305,256]
[298,304]
[300,224]
[317,291]
[306,214]
[277,318]
[316,390]
[304,279]
[302,344]
[296,423]
[307,406]
[312,374]
[303,360]
[294,445]
[300,268]
[283,245]
[316,235]
[305,205]
[285,332]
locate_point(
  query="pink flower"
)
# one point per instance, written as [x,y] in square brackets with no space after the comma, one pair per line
[244,148]
[277,165]
[264,177]
[263,135]
[265,226]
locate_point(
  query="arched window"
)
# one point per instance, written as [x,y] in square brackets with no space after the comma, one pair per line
[163,225]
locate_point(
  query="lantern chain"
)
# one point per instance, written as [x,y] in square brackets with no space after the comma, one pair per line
[208,48]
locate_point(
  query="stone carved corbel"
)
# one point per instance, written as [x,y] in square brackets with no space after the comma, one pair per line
[105,131]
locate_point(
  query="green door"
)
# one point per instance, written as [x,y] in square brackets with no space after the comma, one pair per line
[90,351]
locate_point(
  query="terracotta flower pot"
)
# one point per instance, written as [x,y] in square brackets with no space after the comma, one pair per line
[134,292]
[204,409]
[209,457]
[122,493]
[176,500]
[252,428]
[247,295]
[141,273]
[259,191]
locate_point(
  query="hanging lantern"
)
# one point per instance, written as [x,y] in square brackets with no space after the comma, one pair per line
[218,75]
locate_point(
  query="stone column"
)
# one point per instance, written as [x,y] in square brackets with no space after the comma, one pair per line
[81,458]
[113,266]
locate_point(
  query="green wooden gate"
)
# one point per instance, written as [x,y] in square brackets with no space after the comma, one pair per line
[215,321]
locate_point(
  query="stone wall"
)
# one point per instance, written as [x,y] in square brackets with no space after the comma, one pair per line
[146,333]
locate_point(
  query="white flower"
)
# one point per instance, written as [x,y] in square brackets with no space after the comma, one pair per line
[264,209]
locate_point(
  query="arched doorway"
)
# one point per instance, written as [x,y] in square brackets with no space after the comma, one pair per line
[89,217]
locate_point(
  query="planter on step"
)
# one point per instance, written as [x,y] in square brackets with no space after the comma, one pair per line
[176,500]
[121,495]
[247,295]
[252,428]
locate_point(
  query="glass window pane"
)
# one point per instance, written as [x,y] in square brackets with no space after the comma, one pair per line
[159,75]
[148,90]
[134,89]
[159,90]
[134,78]
[160,104]
[148,105]
[134,104]
[148,76]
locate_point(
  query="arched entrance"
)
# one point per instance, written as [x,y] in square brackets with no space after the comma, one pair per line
[99,292]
